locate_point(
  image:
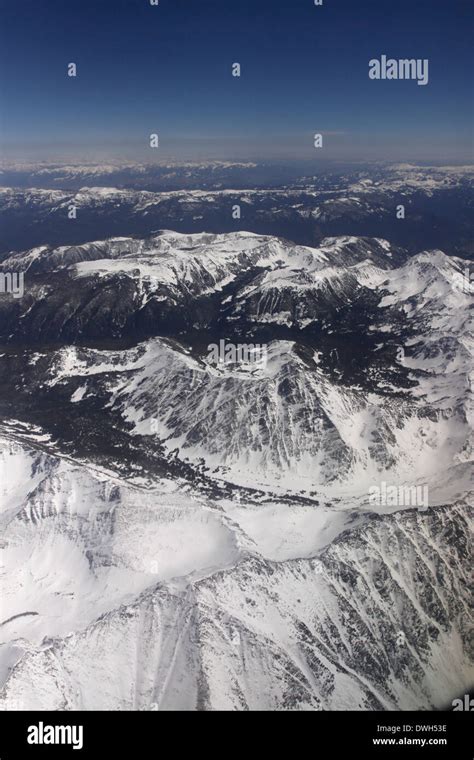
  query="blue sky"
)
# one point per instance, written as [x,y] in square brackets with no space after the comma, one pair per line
[167,69]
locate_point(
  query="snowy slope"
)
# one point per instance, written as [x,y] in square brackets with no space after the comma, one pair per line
[177,533]
[378,620]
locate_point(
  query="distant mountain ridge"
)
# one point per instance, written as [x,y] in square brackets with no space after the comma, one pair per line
[438,203]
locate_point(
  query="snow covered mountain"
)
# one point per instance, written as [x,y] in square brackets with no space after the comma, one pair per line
[110,201]
[168,175]
[184,533]
[133,599]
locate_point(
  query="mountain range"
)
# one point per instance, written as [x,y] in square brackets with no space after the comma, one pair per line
[235,436]
[185,534]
